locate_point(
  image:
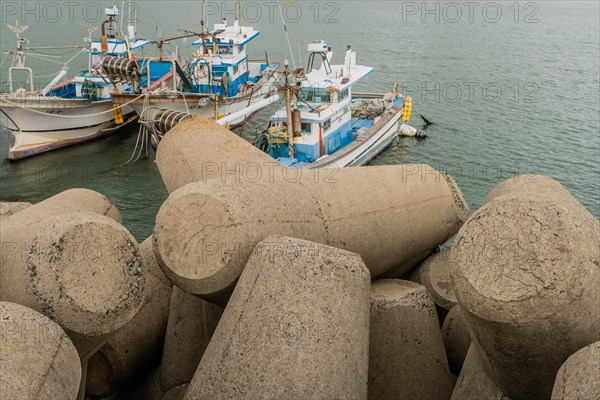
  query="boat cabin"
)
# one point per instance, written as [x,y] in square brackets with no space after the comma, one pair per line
[220,66]
[322,107]
[117,44]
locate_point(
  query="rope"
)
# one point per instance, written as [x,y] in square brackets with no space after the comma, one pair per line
[45,58]
[72,116]
[141,134]
[47,54]
[4,58]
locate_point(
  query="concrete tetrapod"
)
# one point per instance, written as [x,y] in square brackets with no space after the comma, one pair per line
[206,231]
[577,379]
[37,359]
[435,275]
[296,327]
[473,382]
[71,200]
[524,270]
[9,208]
[529,185]
[457,339]
[80,269]
[199,149]
[192,322]
[135,348]
[406,353]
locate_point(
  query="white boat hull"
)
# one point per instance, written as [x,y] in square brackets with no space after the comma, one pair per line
[38,125]
[26,144]
[206,111]
[39,114]
[191,105]
[363,151]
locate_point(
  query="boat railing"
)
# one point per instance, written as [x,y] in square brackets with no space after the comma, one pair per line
[367,95]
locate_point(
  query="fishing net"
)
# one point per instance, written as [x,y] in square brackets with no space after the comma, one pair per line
[369,109]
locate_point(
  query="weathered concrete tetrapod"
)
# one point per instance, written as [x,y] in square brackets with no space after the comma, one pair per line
[473,382]
[457,339]
[135,348]
[529,184]
[9,208]
[71,200]
[191,324]
[223,155]
[578,378]
[296,327]
[524,270]
[406,353]
[81,269]
[37,358]
[435,274]
[206,231]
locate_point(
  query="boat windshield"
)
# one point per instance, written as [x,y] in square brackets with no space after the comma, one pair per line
[315,96]
[225,50]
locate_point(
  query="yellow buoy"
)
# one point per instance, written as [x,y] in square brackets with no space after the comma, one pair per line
[407,109]
[118,114]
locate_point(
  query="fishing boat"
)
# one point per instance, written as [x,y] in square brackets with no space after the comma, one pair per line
[66,112]
[325,124]
[218,81]
[330,126]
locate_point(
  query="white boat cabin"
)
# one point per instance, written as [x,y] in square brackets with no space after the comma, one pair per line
[324,101]
[220,66]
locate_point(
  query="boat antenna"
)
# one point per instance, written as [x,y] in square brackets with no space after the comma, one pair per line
[122,19]
[240,16]
[286,33]
[204,17]
[90,30]
[19,55]
[129,16]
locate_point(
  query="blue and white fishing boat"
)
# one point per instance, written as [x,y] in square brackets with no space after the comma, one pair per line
[219,81]
[325,124]
[66,112]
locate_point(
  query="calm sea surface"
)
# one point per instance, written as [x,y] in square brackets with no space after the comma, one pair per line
[512,88]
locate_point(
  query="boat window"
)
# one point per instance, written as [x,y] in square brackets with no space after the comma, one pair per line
[342,95]
[306,128]
[306,95]
[225,49]
[322,96]
[315,96]
[326,125]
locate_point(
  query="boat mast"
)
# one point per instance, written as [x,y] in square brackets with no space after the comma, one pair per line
[240,16]
[19,56]
[90,30]
[288,109]
[204,21]
[287,35]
